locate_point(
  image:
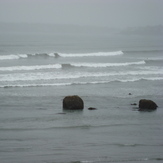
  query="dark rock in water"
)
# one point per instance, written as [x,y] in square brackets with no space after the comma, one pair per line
[134,104]
[56,55]
[147,105]
[129,94]
[60,113]
[91,108]
[73,103]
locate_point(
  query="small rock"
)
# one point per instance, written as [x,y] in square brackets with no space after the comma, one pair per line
[133,104]
[91,108]
[60,113]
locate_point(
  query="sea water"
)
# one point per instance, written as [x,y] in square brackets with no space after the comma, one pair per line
[109,72]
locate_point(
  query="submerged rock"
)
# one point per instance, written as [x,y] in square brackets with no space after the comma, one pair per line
[147,105]
[73,103]
[91,108]
[134,104]
[56,55]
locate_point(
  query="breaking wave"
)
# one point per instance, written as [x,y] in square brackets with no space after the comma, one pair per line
[56,76]
[35,67]
[92,54]
[77,83]
[58,66]
[12,56]
[106,64]
[154,59]
[24,56]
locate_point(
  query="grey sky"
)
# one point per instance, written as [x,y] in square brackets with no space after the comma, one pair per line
[111,13]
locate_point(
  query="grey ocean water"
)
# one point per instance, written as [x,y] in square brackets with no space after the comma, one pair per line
[38,70]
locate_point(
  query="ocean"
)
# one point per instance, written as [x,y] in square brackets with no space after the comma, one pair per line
[108,71]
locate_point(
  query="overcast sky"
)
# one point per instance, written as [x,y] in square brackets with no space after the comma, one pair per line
[110,13]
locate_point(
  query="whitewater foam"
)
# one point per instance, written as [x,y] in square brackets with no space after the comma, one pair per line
[56,76]
[79,83]
[103,65]
[39,76]
[91,54]
[154,59]
[51,55]
[7,57]
[13,56]
[24,56]
[26,68]
[58,66]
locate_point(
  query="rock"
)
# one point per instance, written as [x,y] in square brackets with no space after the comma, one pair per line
[91,108]
[147,105]
[134,104]
[129,94]
[73,103]
[56,55]
[60,113]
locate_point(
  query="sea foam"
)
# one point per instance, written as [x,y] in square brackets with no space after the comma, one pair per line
[63,65]
[11,56]
[27,68]
[91,54]
[55,55]
[57,76]
[79,83]
[98,65]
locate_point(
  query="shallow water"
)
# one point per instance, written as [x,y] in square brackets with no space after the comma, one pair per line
[36,129]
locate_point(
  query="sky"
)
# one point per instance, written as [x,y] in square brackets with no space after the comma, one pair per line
[106,13]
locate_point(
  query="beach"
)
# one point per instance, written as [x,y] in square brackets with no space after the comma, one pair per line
[109,72]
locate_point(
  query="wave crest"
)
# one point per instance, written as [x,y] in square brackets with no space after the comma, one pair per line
[27,68]
[56,55]
[25,56]
[91,54]
[79,83]
[69,65]
[98,65]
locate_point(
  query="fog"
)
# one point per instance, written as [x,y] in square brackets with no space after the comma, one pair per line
[104,13]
